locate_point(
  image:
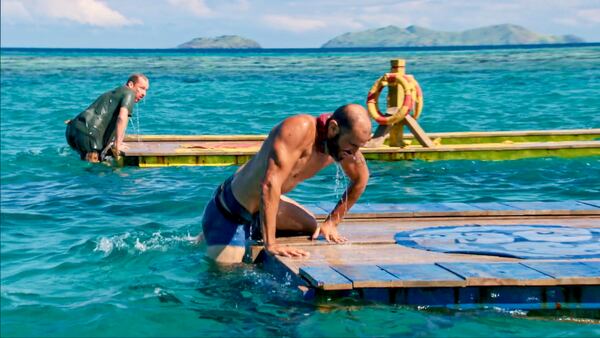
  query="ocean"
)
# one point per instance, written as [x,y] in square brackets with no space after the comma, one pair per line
[91,250]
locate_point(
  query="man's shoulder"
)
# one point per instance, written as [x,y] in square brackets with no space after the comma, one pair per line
[123,91]
[302,121]
[298,127]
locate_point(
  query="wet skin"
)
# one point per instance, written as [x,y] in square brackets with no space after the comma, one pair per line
[289,156]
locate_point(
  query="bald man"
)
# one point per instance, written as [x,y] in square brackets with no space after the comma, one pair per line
[251,204]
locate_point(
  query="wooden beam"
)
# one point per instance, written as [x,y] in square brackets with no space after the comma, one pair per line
[418,132]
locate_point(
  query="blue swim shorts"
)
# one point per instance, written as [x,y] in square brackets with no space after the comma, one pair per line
[226,221]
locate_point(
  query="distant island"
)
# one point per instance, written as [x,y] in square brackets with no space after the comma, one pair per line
[221,42]
[415,36]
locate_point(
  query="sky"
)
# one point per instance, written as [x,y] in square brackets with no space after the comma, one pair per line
[271,23]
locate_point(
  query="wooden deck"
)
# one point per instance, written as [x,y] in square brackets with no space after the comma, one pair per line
[400,254]
[198,150]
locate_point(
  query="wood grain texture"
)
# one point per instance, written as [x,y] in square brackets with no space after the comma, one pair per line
[505,274]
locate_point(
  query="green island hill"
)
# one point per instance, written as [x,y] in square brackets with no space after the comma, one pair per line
[221,42]
[415,36]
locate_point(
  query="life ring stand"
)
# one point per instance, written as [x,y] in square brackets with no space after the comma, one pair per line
[407,86]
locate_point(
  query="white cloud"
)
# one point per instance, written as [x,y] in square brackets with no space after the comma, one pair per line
[88,12]
[293,24]
[589,15]
[242,5]
[14,10]
[196,7]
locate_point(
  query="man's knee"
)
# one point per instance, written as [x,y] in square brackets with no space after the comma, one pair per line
[92,157]
[295,218]
[226,254]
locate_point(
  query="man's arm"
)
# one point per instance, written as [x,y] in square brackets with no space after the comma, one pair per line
[357,171]
[122,121]
[289,141]
[125,110]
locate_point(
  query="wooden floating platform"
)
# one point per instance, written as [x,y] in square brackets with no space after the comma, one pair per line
[220,150]
[558,268]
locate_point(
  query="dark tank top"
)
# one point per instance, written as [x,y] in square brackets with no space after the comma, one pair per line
[100,117]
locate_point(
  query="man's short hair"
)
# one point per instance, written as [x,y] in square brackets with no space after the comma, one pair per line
[136,77]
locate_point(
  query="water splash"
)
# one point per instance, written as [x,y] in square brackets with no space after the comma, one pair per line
[142,242]
[107,245]
[341,184]
[138,111]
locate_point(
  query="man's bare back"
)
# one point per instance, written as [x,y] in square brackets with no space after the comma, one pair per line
[295,150]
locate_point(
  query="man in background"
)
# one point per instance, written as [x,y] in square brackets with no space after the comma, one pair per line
[91,132]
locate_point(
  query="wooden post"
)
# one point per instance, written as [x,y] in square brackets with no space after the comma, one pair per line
[396,135]
[395,99]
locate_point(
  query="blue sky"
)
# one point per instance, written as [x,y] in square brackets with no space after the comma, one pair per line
[273,24]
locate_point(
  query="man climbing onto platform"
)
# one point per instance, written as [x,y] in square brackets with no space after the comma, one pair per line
[91,132]
[250,204]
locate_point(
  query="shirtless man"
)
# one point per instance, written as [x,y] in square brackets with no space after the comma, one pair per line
[90,132]
[250,203]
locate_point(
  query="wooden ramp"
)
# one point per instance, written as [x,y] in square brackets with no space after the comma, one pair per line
[546,256]
[199,150]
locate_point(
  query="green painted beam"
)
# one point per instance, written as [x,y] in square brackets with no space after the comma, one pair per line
[487,155]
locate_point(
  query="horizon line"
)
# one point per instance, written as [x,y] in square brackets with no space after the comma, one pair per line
[441,47]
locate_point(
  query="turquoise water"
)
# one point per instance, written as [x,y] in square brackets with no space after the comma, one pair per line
[96,251]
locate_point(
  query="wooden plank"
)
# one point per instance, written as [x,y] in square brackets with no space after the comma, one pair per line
[481,274]
[373,209]
[315,209]
[461,206]
[476,134]
[418,132]
[383,230]
[423,275]
[593,203]
[212,156]
[485,154]
[250,147]
[562,205]
[325,278]
[516,136]
[493,206]
[594,264]
[485,147]
[360,208]
[374,253]
[567,273]
[189,138]
[424,208]
[593,133]
[381,208]
[367,276]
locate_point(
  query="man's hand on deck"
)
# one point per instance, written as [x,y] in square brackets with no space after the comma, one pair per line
[116,152]
[121,146]
[286,251]
[329,232]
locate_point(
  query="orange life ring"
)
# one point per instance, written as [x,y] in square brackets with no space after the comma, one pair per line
[418,108]
[407,88]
